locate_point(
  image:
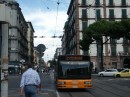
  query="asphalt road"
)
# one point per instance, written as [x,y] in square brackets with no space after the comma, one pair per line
[102,87]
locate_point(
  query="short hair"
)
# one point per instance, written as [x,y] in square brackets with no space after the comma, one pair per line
[30,65]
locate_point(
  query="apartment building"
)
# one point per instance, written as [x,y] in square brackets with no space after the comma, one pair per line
[36,58]
[11,14]
[58,52]
[82,13]
[30,34]
[0,40]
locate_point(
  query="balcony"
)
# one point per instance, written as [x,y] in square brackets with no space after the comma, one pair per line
[13,37]
[124,16]
[124,53]
[24,44]
[13,50]
[111,4]
[98,17]
[23,53]
[111,17]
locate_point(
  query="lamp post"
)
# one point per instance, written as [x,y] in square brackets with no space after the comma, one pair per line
[4,60]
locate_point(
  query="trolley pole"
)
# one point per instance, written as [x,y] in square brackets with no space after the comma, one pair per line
[4,61]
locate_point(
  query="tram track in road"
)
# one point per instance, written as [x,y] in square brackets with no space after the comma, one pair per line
[70,94]
[107,89]
[75,93]
[114,86]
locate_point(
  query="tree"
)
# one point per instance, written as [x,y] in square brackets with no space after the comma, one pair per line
[126,24]
[95,32]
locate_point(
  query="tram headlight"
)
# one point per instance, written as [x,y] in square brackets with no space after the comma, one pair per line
[87,83]
[61,83]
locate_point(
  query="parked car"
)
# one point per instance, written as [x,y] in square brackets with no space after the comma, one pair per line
[120,69]
[108,72]
[123,73]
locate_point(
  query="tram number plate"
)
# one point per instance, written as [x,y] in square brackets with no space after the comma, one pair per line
[74,83]
[74,86]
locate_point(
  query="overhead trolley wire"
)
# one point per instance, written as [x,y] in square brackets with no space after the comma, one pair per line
[56,16]
[45,5]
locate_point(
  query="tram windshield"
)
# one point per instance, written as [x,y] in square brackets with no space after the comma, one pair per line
[74,70]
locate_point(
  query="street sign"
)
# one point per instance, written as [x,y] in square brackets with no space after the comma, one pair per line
[41,48]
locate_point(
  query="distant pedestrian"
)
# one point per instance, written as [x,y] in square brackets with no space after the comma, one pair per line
[29,82]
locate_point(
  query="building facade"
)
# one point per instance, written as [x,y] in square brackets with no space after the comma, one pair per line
[0,40]
[36,59]
[58,52]
[30,34]
[11,13]
[82,13]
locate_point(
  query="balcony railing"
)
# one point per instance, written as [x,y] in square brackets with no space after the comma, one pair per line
[112,17]
[124,16]
[124,53]
[111,4]
[13,37]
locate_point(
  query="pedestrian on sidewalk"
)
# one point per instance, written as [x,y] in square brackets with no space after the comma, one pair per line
[30,81]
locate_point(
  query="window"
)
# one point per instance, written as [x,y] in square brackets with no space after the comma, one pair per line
[84,13]
[75,69]
[124,13]
[98,15]
[125,71]
[83,2]
[125,41]
[99,51]
[97,2]
[111,15]
[112,41]
[111,2]
[84,25]
[108,70]
[125,49]
[113,50]
[123,2]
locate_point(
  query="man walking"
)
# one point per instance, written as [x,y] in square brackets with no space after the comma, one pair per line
[29,82]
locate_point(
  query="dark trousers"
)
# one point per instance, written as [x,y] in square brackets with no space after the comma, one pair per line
[30,91]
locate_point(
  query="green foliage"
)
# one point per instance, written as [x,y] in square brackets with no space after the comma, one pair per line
[116,30]
[95,31]
[126,24]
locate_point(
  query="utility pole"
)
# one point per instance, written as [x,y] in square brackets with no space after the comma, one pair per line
[4,61]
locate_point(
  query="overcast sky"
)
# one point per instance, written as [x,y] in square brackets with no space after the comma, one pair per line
[48,18]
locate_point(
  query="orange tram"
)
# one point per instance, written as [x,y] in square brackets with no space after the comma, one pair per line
[73,72]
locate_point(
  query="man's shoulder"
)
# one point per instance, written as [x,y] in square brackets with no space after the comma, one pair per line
[34,71]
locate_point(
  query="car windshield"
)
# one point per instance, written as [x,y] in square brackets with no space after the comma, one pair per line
[126,70]
[119,70]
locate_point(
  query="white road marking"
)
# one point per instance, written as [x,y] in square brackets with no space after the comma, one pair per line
[57,94]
